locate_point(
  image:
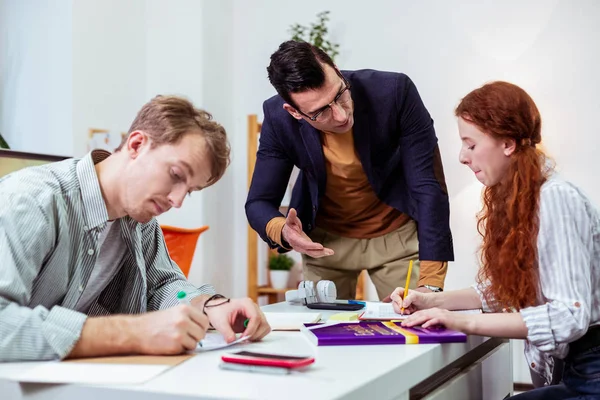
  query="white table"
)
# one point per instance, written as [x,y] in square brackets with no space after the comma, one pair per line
[480,368]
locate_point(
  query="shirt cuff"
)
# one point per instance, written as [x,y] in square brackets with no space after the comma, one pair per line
[62,329]
[191,292]
[485,307]
[539,333]
[274,228]
[432,273]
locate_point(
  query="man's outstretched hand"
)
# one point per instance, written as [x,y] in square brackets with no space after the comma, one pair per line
[299,241]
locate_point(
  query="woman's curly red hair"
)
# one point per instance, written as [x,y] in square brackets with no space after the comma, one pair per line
[509,220]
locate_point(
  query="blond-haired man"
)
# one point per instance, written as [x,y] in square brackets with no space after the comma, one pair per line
[84,266]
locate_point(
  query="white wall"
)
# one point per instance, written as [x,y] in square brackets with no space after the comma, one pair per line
[35,75]
[221,257]
[109,66]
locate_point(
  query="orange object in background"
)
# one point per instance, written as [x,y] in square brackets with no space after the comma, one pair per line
[181,244]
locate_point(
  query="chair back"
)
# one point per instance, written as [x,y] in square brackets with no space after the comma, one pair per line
[181,244]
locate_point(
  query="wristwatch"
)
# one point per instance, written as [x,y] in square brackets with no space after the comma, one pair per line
[434,288]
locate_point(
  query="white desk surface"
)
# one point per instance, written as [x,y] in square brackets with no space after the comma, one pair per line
[348,372]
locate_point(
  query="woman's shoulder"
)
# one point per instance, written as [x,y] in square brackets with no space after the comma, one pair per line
[558,193]
[556,186]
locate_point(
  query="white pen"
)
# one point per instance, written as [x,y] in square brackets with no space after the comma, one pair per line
[255,368]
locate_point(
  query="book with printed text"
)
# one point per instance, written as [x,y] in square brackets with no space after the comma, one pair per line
[378,332]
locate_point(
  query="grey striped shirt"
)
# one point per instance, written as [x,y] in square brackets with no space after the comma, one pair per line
[50,219]
[569,268]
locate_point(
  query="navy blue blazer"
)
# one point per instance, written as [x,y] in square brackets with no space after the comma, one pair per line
[397,146]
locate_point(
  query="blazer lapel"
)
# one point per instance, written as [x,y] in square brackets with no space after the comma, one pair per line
[312,141]
[362,138]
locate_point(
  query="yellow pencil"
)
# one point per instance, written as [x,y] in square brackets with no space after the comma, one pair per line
[407,283]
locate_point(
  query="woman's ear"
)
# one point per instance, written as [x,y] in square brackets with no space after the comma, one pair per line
[509,147]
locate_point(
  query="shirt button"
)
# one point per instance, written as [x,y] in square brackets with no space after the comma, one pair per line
[80,288]
[91,252]
[85,227]
[577,304]
[532,365]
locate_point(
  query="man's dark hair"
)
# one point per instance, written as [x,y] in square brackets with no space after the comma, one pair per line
[296,67]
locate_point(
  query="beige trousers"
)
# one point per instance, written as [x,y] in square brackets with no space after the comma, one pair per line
[385,258]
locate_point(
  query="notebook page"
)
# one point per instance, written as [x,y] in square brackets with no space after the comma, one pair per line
[385,311]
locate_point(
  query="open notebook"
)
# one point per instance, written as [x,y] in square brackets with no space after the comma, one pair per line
[385,312]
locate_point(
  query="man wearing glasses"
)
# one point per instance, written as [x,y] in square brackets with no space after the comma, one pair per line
[371,193]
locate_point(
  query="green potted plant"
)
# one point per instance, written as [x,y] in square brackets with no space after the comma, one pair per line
[316,34]
[279,269]
[3,144]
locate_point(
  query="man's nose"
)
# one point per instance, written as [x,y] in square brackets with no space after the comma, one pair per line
[176,197]
[339,113]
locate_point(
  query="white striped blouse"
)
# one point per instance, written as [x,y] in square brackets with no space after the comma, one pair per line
[569,269]
[50,217]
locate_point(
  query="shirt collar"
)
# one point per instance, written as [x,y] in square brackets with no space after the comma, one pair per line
[95,212]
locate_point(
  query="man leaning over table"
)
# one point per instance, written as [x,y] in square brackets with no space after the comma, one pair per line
[84,270]
[371,192]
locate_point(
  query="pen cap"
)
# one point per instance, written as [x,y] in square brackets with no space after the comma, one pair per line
[182,297]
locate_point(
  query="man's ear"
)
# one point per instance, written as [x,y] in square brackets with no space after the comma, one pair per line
[509,147]
[293,112]
[136,142]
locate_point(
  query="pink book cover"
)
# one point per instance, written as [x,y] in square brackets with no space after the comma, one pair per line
[378,332]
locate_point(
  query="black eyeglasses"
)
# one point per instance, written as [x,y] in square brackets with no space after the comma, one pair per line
[342,98]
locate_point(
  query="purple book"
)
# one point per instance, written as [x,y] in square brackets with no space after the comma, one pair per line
[378,332]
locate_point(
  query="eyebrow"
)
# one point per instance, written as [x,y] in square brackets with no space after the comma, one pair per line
[188,167]
[326,105]
[191,172]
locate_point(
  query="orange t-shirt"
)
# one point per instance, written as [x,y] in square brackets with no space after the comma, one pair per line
[350,207]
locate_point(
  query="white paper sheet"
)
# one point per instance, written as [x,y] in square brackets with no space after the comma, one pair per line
[214,341]
[93,374]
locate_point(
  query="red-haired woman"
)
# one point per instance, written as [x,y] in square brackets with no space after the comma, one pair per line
[540,257]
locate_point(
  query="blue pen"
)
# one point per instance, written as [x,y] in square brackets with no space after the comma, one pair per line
[362,303]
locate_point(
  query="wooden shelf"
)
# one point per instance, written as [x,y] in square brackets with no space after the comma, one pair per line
[270,290]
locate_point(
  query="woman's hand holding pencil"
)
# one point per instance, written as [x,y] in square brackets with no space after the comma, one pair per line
[411,300]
